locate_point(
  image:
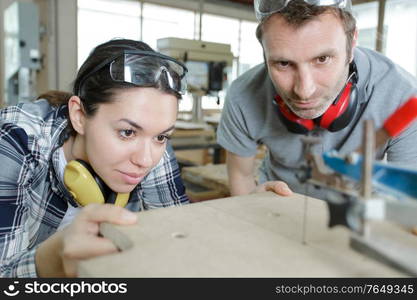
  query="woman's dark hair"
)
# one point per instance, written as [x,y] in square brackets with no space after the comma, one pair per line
[99,87]
[55,97]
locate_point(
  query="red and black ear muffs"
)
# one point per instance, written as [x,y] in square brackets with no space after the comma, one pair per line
[335,118]
[87,187]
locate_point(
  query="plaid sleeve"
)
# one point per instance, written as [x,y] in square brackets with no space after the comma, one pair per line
[163,186]
[16,260]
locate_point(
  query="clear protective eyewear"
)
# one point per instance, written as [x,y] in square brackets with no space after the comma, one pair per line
[265,8]
[144,69]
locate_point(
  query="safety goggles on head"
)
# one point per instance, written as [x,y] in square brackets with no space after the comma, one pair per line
[145,68]
[265,8]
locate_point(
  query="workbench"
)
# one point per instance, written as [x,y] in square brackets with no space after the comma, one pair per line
[258,235]
[213,178]
[189,136]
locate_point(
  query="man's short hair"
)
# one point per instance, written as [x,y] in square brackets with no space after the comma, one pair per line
[298,12]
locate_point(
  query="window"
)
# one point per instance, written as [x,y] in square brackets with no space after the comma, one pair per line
[103,20]
[366,15]
[251,52]
[401,33]
[211,27]
[161,22]
[400,30]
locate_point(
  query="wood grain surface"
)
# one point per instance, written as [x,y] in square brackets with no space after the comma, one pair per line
[258,235]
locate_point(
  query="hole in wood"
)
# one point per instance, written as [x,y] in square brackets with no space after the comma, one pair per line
[273,214]
[179,235]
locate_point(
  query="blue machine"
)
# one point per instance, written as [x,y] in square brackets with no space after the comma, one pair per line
[400,182]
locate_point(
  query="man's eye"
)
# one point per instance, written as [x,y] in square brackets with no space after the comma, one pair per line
[283,64]
[127,133]
[323,59]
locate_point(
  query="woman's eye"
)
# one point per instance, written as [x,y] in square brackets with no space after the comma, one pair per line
[127,133]
[162,138]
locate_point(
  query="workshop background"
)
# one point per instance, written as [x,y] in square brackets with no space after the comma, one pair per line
[43,43]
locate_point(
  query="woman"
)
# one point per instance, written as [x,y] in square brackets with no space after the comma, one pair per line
[118,123]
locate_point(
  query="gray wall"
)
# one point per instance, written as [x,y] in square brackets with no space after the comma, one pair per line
[58,44]
[3,5]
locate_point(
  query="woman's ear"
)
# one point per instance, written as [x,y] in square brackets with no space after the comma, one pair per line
[76,114]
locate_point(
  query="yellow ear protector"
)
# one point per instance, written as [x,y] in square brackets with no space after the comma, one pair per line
[86,187]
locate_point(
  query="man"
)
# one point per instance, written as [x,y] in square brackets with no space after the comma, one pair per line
[314,81]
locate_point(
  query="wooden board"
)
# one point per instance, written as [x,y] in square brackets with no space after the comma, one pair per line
[258,235]
[198,193]
[193,157]
[190,125]
[192,146]
[212,176]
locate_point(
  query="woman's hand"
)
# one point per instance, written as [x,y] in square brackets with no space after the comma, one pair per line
[80,240]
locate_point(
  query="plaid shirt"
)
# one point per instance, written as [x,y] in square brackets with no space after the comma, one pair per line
[33,198]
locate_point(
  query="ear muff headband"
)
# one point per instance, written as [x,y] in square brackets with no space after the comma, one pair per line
[86,187]
[293,122]
[337,108]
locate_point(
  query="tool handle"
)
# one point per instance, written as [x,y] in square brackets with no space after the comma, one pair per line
[401,118]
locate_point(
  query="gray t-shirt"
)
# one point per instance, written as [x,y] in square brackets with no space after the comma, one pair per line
[249,118]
